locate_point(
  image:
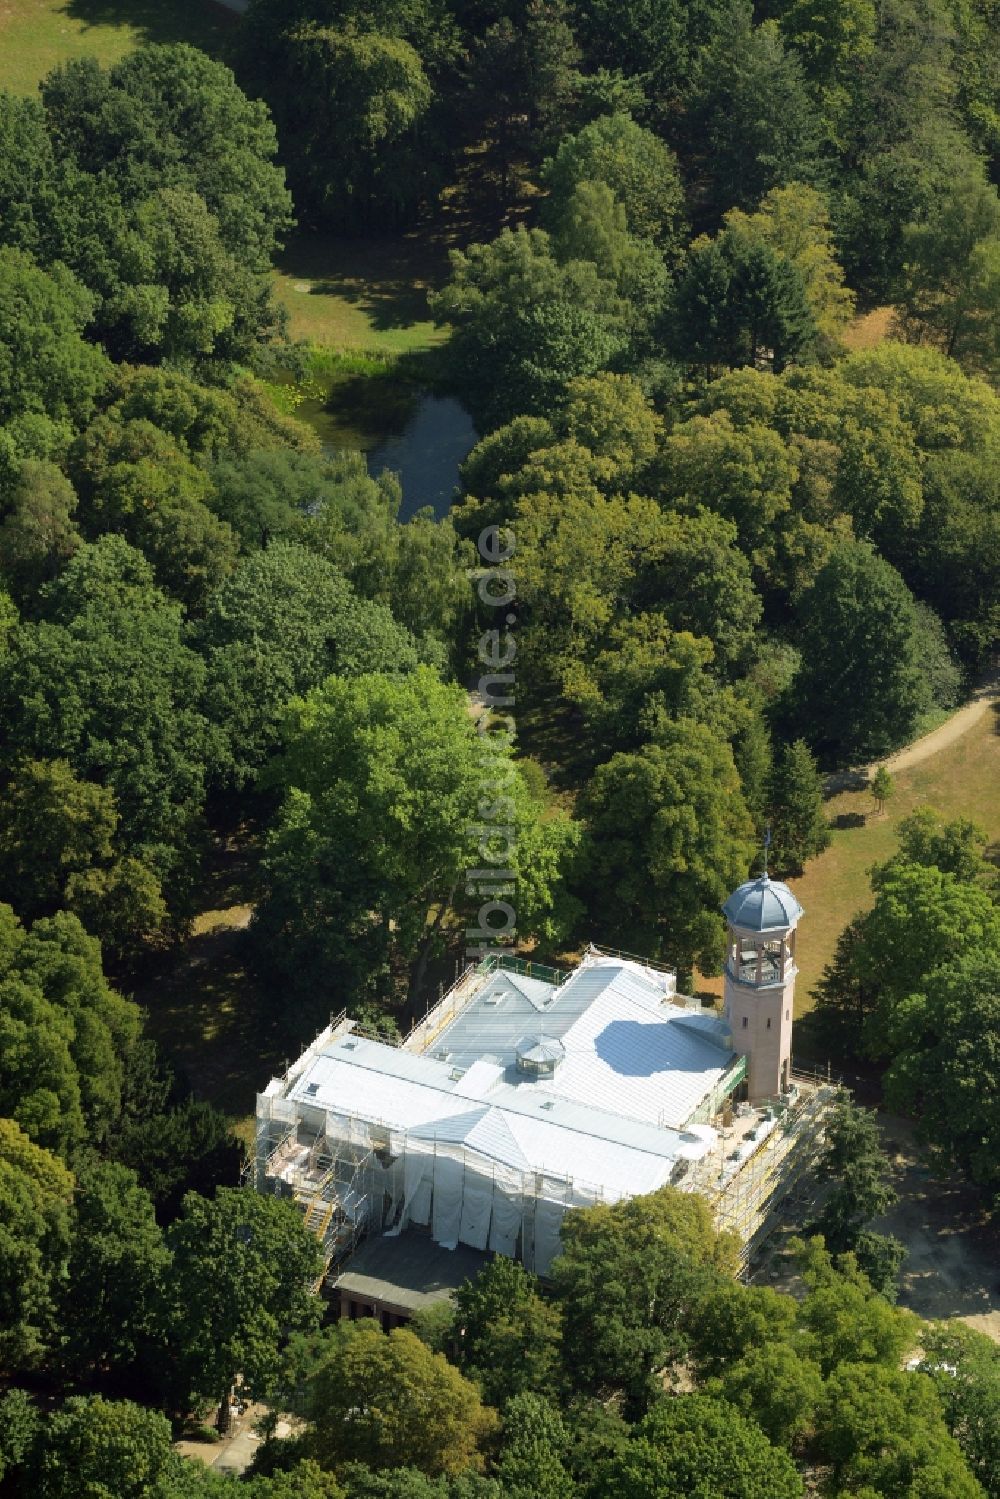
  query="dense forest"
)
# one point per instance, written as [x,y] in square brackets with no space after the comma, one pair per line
[704,552]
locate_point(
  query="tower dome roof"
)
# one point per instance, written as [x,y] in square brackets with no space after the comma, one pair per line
[762,905]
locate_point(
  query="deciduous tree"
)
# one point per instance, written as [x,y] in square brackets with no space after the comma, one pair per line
[509,1337]
[107,684]
[387,789]
[525,324]
[955,847]
[115,1271]
[242,1277]
[669,837]
[388,1401]
[36,1193]
[535,1441]
[282,623]
[693,1447]
[883,1428]
[370,92]
[794,221]
[882,788]
[626,1280]
[862,685]
[965,1367]
[635,164]
[945,1047]
[46,366]
[67,1034]
[171,116]
[777,1386]
[52,826]
[38,534]
[849,1325]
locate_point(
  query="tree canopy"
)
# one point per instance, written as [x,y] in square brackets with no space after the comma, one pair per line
[386,1400]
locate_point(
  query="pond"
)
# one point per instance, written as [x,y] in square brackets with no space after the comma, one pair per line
[420,436]
[427,453]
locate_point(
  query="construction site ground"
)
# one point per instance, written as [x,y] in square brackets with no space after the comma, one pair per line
[953,1263]
[952,1267]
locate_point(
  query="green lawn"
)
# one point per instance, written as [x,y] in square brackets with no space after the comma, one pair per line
[359,294]
[364,294]
[36,35]
[961,781]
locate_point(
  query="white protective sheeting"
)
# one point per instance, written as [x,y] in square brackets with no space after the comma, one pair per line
[508,1211]
[477,1209]
[418,1164]
[446,1213]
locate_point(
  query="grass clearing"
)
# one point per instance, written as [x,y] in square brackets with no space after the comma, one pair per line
[38,35]
[367,295]
[961,781]
[869,329]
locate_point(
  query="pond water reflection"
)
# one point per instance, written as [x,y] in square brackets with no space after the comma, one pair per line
[418,435]
[427,454]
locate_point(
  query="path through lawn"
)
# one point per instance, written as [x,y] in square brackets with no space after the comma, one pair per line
[960,780]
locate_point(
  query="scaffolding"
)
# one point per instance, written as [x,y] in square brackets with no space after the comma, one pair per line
[763,1154]
[334,1179]
[466,986]
[713,1104]
[452,1003]
[350,1176]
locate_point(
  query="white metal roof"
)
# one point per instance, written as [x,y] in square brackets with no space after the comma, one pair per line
[620,1055]
[628,1048]
[636,1067]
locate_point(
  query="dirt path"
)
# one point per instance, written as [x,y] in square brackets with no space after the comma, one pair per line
[985,698]
[982,700]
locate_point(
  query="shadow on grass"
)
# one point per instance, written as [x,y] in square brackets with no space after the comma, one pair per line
[849,820]
[211,1020]
[204,1005]
[388,304]
[387,278]
[854,778]
[200,22]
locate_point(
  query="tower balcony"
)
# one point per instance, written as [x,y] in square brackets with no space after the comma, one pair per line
[772,972]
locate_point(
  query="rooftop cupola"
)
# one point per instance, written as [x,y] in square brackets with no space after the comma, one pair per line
[762,905]
[538,1056]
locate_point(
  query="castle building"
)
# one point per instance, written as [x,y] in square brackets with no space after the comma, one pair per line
[528,1091]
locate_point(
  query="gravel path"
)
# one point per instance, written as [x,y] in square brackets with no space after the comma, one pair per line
[982,700]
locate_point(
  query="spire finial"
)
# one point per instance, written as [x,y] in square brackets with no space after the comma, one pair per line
[767,845]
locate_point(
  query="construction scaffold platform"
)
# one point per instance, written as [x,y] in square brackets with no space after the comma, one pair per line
[762,1156]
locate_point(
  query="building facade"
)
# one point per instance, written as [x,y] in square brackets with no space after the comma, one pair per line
[527,1091]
